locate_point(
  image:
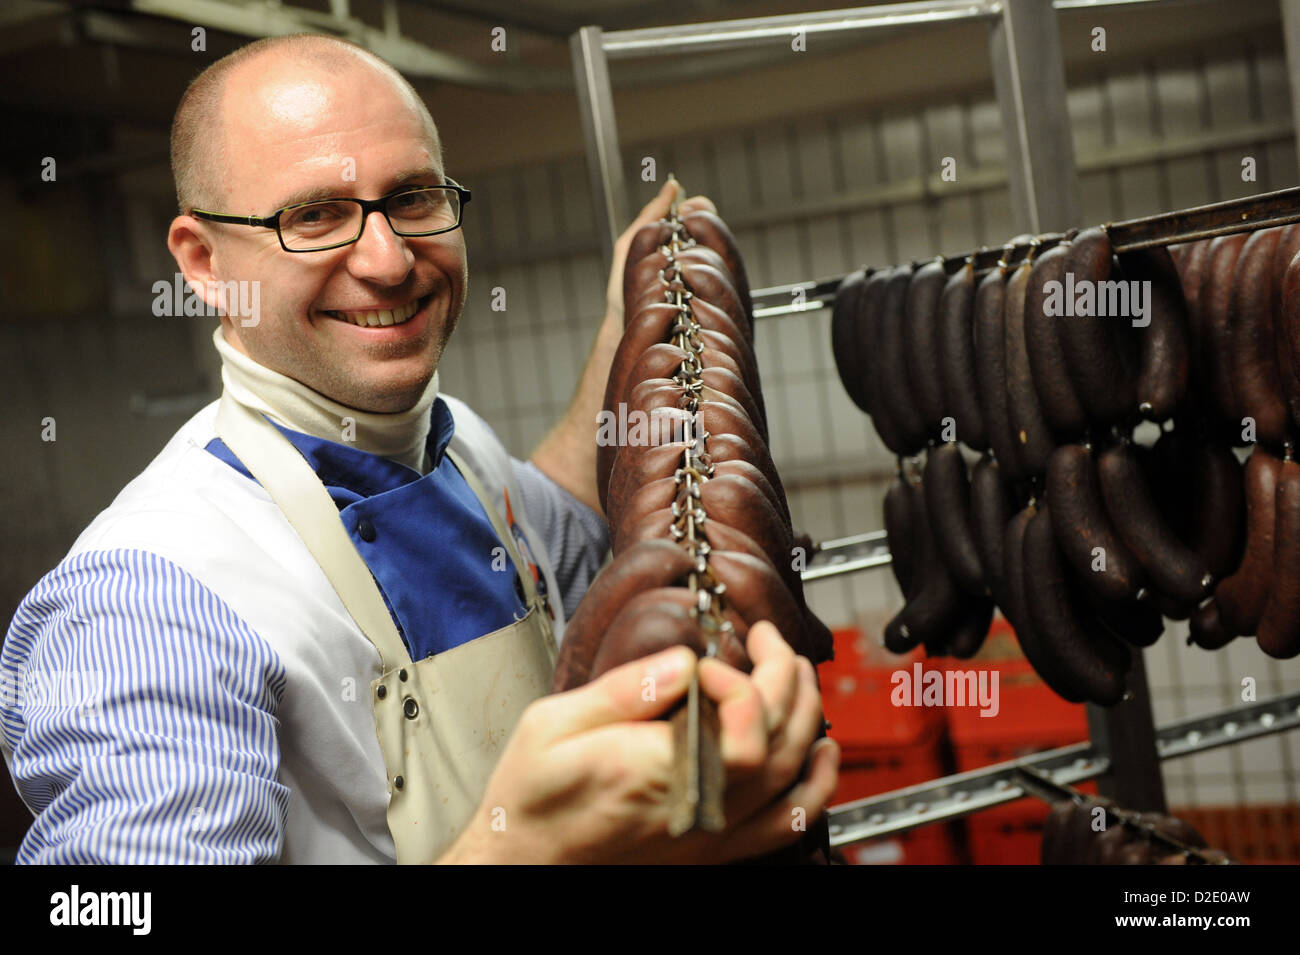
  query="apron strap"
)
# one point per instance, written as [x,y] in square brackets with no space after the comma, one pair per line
[499,525]
[302,498]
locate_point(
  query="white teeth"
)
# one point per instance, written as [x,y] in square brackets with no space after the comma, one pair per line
[386,316]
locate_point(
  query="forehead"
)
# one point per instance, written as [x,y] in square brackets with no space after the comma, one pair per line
[286,121]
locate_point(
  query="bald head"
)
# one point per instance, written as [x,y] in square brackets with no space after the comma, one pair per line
[270,81]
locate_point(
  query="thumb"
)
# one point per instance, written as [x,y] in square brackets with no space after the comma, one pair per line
[640,690]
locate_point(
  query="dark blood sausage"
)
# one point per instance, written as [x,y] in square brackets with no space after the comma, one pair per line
[729,447]
[991,506]
[1241,596]
[1215,304]
[971,629]
[1056,395]
[1174,569]
[701,271]
[1095,661]
[1163,346]
[1205,627]
[1093,345]
[896,391]
[1017,610]
[1136,622]
[991,370]
[947,502]
[653,393]
[844,334]
[1191,268]
[1288,244]
[1278,632]
[1218,524]
[661,492]
[1084,532]
[649,238]
[664,360]
[645,329]
[921,344]
[658,563]
[870,325]
[659,619]
[734,502]
[936,602]
[1256,385]
[1032,437]
[708,229]
[900,532]
[755,590]
[957,358]
[1288,337]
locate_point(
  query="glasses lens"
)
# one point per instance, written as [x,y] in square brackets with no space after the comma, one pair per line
[317,225]
[419,211]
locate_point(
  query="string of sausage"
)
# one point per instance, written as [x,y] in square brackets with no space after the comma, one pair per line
[695,797]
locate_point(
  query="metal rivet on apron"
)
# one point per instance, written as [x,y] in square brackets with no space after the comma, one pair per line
[381,691]
[401,675]
[411,708]
[366,530]
[398,782]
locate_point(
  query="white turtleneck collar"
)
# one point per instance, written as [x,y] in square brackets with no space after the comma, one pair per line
[400,435]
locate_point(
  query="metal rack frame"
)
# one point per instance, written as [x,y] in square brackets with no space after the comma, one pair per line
[1029,84]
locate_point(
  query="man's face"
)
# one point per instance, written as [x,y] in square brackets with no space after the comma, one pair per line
[292,134]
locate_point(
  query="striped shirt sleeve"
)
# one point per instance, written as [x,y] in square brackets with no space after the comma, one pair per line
[137,715]
[576,537]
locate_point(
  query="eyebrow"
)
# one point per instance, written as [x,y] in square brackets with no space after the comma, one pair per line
[331,192]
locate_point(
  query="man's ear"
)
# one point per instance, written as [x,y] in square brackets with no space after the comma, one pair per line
[191,247]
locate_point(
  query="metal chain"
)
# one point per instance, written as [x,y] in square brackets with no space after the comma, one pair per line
[689,526]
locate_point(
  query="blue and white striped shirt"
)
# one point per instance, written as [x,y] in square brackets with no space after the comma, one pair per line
[186,687]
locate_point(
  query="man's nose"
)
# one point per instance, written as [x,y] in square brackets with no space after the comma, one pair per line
[380,255]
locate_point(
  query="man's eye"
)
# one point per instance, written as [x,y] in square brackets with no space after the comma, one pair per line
[314,216]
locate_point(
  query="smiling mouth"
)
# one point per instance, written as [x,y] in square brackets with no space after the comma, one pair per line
[376,318]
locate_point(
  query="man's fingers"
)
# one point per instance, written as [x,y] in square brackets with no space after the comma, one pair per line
[640,690]
[741,717]
[789,816]
[696,204]
[776,676]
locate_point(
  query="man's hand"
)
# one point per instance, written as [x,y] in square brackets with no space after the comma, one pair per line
[585,776]
[567,455]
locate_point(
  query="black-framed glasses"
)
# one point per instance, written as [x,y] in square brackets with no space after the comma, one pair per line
[322,224]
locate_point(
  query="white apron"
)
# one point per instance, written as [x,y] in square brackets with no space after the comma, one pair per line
[443,721]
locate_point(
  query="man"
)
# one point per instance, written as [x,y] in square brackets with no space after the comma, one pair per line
[247,651]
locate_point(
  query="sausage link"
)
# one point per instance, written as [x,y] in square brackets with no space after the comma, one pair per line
[957,358]
[1163,347]
[1033,439]
[1061,407]
[1241,596]
[948,504]
[1091,546]
[921,344]
[1173,568]
[1077,643]
[991,371]
[1279,626]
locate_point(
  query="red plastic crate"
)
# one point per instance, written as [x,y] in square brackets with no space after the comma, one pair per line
[882,747]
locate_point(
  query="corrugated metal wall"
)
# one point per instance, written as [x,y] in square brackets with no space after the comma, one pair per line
[819,195]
